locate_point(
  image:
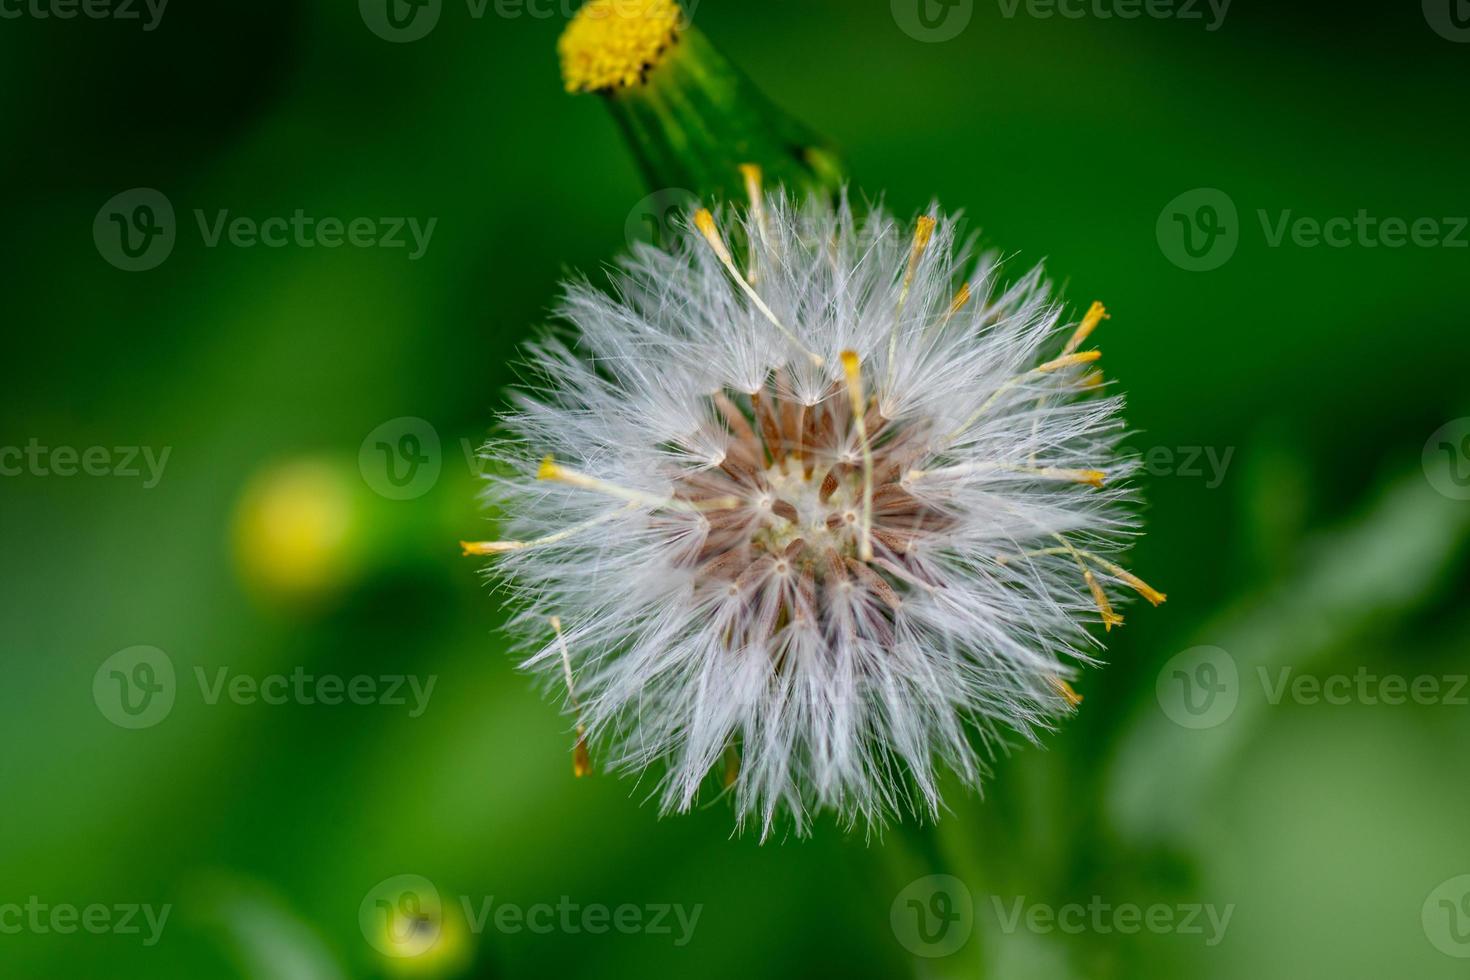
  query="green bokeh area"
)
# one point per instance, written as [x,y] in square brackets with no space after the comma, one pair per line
[1329,542]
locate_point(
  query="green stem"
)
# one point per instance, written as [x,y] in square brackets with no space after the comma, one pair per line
[697,118]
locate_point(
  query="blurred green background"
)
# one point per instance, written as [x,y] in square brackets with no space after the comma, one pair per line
[1331,542]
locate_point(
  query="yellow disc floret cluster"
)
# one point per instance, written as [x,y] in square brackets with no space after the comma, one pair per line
[612,43]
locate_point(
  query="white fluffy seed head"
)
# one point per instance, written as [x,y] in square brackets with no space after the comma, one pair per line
[818,552]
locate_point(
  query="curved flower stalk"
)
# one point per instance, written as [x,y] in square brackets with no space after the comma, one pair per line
[815,523]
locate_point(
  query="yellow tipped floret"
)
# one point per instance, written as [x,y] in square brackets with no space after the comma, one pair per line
[1104,607]
[555,472]
[754,182]
[581,759]
[1069,360]
[705,222]
[754,179]
[960,299]
[1096,314]
[852,368]
[1069,695]
[613,43]
[479,549]
[923,235]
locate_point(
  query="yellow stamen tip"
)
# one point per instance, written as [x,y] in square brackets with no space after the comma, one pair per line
[960,299]
[613,43]
[1070,360]
[581,760]
[1104,607]
[1093,478]
[1069,695]
[1150,593]
[923,232]
[1096,314]
[548,469]
[705,222]
[753,177]
[851,363]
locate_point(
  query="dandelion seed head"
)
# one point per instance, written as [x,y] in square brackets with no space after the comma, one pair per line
[824,506]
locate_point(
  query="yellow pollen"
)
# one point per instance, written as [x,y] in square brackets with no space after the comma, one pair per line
[1065,361]
[613,43]
[1070,360]
[553,471]
[1095,315]
[1072,698]
[484,548]
[851,366]
[960,299]
[481,548]
[1109,618]
[1117,571]
[923,234]
[1150,593]
[1093,478]
[754,190]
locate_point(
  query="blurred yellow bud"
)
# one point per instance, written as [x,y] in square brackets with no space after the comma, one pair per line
[294,530]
